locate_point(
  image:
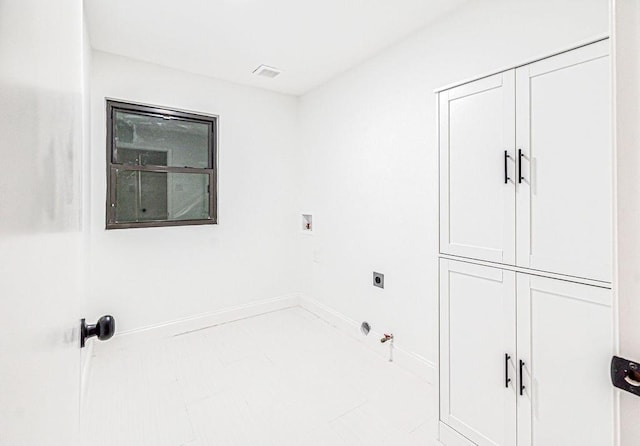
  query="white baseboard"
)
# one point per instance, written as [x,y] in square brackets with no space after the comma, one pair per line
[407,360]
[198,322]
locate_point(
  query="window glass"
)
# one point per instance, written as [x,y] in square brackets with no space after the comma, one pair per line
[137,137]
[143,196]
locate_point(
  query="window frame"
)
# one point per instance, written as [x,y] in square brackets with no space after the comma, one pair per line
[114,105]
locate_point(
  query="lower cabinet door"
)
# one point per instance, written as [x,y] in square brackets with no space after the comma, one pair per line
[477,355]
[565,341]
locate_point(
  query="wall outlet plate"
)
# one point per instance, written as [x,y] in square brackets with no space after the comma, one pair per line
[307,223]
[378,279]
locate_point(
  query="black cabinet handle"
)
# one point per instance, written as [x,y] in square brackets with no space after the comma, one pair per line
[506,173]
[520,166]
[521,383]
[507,380]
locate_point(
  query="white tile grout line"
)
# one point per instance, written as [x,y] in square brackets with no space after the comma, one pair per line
[195,330]
[348,411]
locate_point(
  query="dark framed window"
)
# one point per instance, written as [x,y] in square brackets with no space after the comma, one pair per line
[161,167]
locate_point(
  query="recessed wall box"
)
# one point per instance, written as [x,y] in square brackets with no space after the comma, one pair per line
[378,279]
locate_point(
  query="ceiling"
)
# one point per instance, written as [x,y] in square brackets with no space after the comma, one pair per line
[310,41]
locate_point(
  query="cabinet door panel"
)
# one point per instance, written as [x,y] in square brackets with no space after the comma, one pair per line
[477,311]
[477,207]
[565,339]
[563,130]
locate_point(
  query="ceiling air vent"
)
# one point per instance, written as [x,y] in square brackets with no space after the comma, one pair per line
[266,71]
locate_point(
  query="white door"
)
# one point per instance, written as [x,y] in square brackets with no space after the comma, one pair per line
[564,190]
[40,214]
[565,341]
[477,355]
[626,68]
[477,169]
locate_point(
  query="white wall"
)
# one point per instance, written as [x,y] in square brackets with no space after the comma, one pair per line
[626,31]
[40,220]
[154,275]
[369,144]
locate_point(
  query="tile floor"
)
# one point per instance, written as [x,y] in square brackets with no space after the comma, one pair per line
[285,378]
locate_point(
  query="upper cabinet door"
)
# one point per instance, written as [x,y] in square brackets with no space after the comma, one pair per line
[564,180]
[477,169]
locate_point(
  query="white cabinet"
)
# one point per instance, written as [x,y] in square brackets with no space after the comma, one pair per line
[525,166]
[525,193]
[492,320]
[563,133]
[477,137]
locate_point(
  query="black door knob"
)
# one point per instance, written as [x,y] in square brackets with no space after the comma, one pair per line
[103,329]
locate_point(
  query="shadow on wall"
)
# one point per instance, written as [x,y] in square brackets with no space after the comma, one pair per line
[40,186]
